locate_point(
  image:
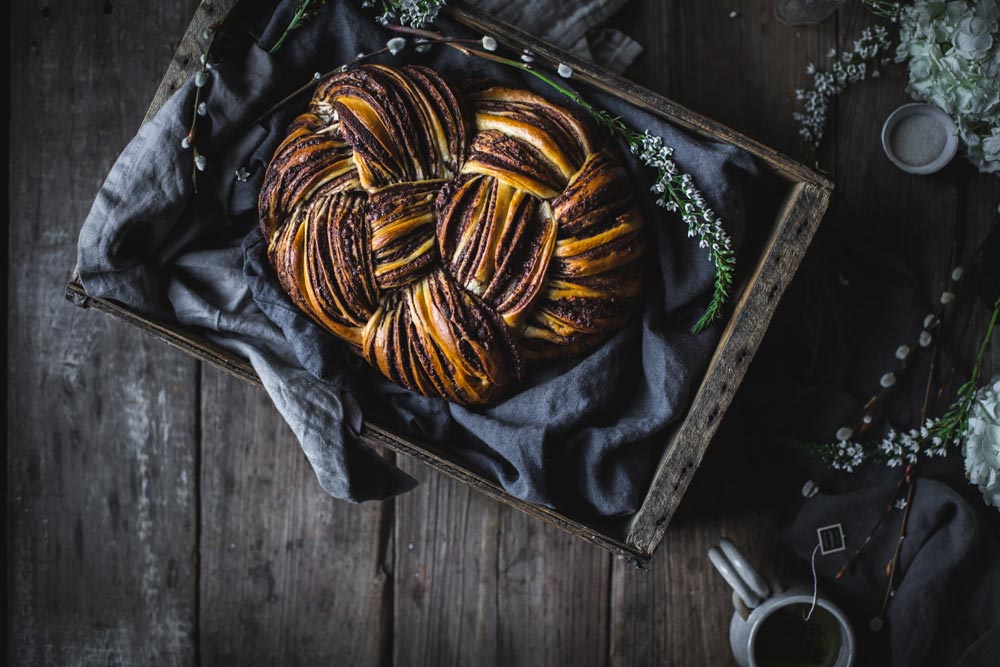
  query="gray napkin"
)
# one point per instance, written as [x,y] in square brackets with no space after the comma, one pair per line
[583,435]
[572,26]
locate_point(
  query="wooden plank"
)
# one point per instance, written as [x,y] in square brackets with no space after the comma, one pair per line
[478,583]
[554,596]
[739,341]
[288,574]
[678,613]
[100,445]
[446,573]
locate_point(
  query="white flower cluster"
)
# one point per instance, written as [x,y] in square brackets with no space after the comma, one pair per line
[953,54]
[982,443]
[677,192]
[895,449]
[870,52]
[414,13]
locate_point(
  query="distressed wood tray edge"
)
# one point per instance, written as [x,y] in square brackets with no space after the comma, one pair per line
[796,223]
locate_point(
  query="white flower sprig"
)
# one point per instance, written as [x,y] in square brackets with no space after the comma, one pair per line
[894,450]
[870,52]
[963,424]
[413,13]
[676,192]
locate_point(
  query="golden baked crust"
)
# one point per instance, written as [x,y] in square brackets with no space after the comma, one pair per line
[448,242]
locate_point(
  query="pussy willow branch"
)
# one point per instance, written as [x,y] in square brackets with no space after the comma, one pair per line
[212,31]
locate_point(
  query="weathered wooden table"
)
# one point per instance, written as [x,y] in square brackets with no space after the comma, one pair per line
[160,512]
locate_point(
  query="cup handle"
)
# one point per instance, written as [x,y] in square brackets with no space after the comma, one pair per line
[739,573]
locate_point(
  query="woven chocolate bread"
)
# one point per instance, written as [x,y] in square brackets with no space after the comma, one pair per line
[450,239]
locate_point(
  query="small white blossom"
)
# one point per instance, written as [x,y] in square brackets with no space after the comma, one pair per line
[867,419]
[200,163]
[186,142]
[202,109]
[844,433]
[850,67]
[930,321]
[947,297]
[902,352]
[489,43]
[527,57]
[887,380]
[414,13]
[957,273]
[200,79]
[900,504]
[396,44]
[564,70]
[317,76]
[925,338]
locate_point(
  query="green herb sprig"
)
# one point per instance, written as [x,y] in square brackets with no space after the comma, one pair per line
[305,12]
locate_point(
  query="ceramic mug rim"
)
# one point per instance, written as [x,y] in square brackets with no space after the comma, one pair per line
[784,600]
[948,151]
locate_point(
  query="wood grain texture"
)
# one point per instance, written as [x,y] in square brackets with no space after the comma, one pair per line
[288,574]
[478,583]
[100,446]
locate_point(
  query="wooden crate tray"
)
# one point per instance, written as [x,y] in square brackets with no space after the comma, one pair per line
[804,200]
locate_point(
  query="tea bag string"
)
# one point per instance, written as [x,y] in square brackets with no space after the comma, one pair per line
[812,607]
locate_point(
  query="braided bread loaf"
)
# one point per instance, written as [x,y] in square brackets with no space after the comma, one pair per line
[447,248]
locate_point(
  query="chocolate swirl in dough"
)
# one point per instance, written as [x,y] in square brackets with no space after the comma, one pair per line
[450,242]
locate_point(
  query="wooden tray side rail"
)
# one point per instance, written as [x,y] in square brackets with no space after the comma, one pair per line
[756,300]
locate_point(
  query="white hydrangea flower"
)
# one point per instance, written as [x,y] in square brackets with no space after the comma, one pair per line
[953,53]
[982,444]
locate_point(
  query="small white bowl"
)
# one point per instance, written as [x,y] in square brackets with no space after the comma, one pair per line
[930,111]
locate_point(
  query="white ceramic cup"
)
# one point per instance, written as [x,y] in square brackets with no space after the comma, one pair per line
[932,112]
[756,601]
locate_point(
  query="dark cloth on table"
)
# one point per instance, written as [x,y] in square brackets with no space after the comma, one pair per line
[834,336]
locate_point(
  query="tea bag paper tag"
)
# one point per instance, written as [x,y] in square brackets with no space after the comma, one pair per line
[831,539]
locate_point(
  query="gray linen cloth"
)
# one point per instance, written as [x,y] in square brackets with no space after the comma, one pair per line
[581,435]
